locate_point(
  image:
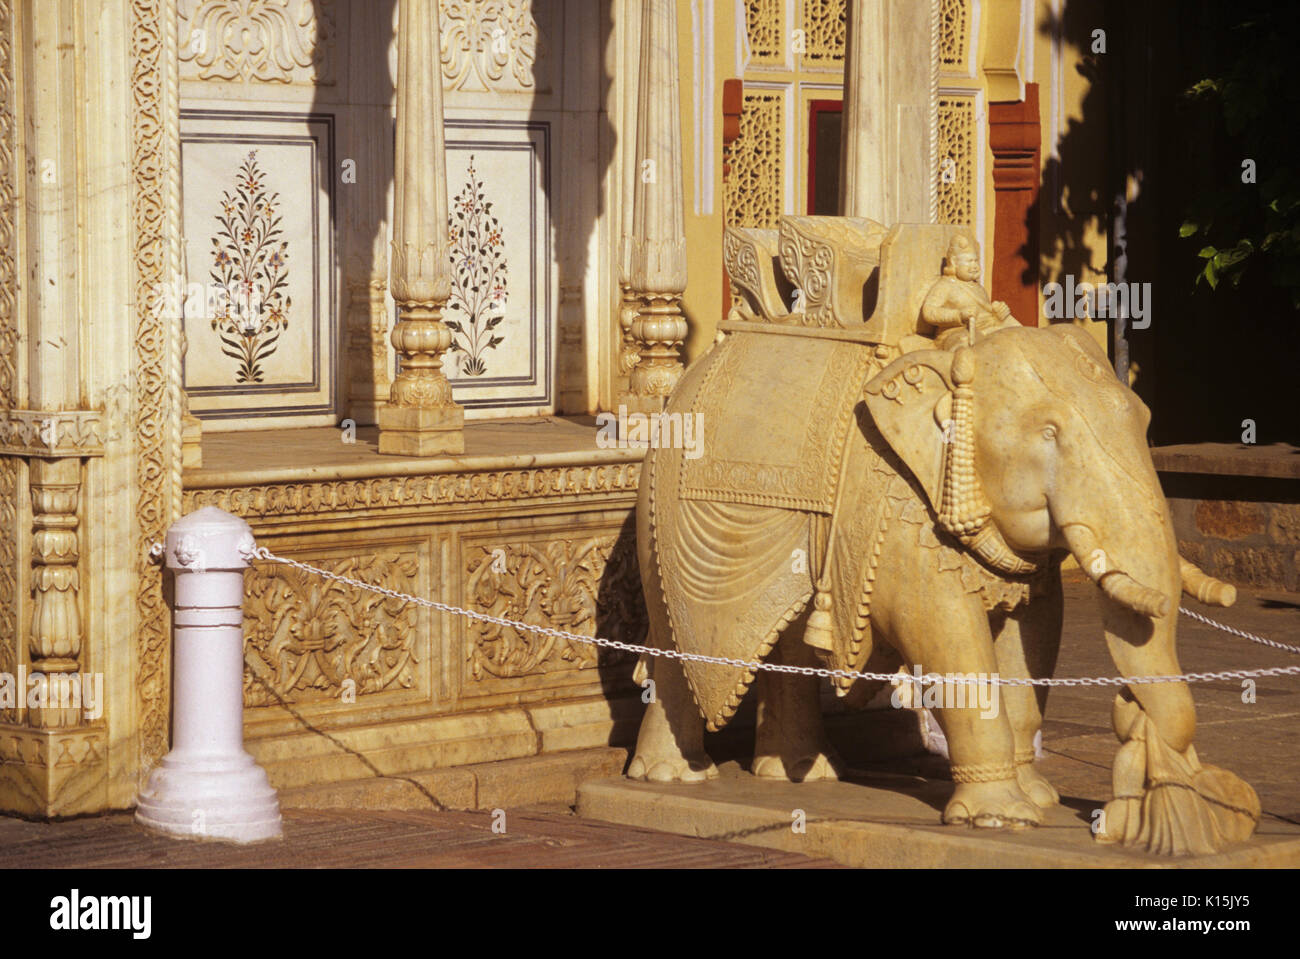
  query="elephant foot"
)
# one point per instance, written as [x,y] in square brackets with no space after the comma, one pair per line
[815,767]
[673,769]
[1035,785]
[992,806]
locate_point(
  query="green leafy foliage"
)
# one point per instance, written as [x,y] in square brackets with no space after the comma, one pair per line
[1254,97]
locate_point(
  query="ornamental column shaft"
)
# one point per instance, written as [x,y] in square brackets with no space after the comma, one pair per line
[890,100]
[54,639]
[421,418]
[656,253]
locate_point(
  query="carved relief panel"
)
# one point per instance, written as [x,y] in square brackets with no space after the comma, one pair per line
[492,45]
[583,581]
[258,41]
[312,640]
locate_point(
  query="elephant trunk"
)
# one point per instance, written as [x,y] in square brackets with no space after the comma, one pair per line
[1114,582]
[1140,633]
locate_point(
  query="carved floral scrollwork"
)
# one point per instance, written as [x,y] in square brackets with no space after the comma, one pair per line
[276,41]
[313,639]
[585,586]
[483,40]
[292,499]
[9,625]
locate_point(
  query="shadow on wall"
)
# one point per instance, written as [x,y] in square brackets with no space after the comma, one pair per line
[1209,358]
[572,221]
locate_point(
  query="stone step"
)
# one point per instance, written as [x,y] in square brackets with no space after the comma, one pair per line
[492,785]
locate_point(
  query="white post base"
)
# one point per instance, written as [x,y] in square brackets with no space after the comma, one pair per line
[222,797]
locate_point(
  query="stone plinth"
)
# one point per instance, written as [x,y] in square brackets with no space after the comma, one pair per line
[354,696]
[890,822]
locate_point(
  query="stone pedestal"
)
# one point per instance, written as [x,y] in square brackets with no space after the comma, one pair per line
[416,431]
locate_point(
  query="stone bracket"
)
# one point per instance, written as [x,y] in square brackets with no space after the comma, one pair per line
[51,433]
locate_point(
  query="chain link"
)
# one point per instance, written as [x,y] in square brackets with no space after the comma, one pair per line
[1237,632]
[261,552]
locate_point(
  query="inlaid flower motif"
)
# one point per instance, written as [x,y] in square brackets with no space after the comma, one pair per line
[479,276]
[250,261]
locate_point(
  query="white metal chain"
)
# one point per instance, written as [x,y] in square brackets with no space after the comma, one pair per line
[261,552]
[1237,632]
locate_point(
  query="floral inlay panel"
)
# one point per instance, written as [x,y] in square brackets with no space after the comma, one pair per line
[479,276]
[259,298]
[250,271]
[502,311]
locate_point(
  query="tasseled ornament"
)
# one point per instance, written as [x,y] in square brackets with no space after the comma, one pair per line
[817,633]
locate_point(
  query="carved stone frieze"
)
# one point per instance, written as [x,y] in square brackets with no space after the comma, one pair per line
[584,585]
[489,45]
[268,41]
[57,749]
[312,639]
[8,340]
[155,132]
[51,433]
[446,489]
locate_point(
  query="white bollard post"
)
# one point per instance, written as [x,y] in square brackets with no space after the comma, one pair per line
[208,786]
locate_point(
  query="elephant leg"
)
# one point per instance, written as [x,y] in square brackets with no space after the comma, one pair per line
[790,741]
[942,629]
[670,743]
[1026,645]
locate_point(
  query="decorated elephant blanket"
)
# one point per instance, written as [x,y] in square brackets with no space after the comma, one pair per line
[733,527]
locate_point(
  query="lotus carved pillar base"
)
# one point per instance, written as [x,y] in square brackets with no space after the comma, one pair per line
[658,330]
[54,642]
[421,418]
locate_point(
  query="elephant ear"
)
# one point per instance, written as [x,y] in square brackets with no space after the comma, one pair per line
[910,400]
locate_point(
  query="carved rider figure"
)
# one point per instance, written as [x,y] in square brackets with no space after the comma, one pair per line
[957,298]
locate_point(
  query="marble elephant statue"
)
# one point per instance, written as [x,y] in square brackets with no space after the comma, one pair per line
[860,509]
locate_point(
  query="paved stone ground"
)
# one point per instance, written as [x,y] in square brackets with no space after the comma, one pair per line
[331,839]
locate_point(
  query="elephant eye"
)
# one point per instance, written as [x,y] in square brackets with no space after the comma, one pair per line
[1049,432]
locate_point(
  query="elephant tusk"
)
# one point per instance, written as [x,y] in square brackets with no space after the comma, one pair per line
[1124,589]
[1207,589]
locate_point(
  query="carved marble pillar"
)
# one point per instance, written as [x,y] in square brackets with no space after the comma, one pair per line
[890,100]
[53,307]
[631,55]
[421,418]
[657,245]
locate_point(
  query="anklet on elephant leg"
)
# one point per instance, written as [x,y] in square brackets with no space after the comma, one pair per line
[1024,757]
[983,772]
